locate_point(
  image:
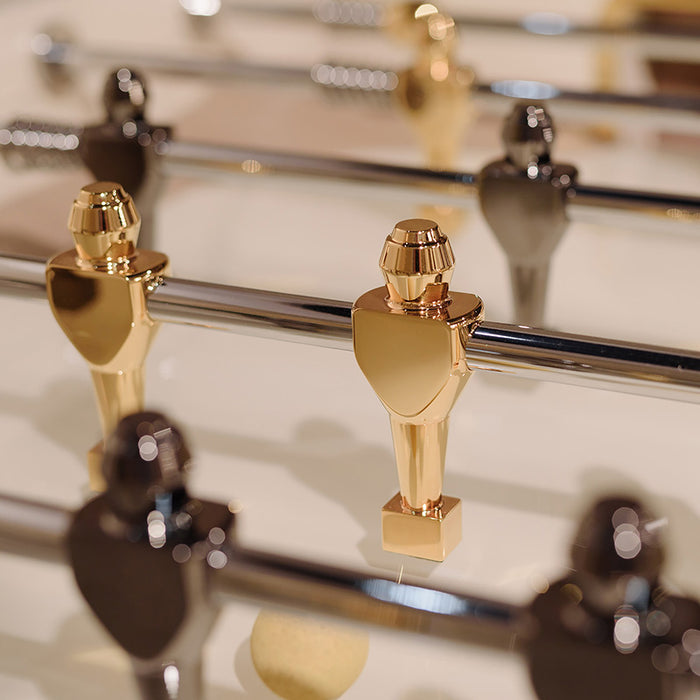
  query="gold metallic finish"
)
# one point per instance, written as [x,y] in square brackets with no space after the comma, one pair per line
[409,339]
[95,456]
[435,92]
[419,246]
[98,293]
[432,535]
[105,225]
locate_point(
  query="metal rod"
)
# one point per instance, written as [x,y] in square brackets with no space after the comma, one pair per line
[20,143]
[677,111]
[52,52]
[38,531]
[518,351]
[655,204]
[33,529]
[586,202]
[23,276]
[351,595]
[670,112]
[450,188]
[221,307]
[678,41]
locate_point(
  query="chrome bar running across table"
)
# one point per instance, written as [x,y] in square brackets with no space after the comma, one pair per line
[38,530]
[21,144]
[678,43]
[518,351]
[676,111]
[452,188]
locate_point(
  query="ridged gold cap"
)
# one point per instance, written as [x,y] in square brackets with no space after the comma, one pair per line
[104,223]
[417,262]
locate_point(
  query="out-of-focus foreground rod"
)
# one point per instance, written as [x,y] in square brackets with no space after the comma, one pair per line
[518,351]
[38,531]
[33,529]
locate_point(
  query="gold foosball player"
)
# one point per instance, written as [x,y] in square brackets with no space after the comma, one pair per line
[409,339]
[97,292]
[436,92]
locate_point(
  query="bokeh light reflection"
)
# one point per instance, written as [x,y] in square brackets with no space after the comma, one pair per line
[665,658]
[626,634]
[201,8]
[157,529]
[658,623]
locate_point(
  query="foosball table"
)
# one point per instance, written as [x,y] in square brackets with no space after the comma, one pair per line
[234,516]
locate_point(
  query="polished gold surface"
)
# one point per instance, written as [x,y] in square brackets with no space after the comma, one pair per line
[435,92]
[98,293]
[409,339]
[96,478]
[431,535]
[105,224]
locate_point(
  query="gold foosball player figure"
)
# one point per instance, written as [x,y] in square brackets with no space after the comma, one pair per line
[409,339]
[435,92]
[97,292]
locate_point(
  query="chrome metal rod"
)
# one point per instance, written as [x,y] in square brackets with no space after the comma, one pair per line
[680,42]
[677,111]
[517,351]
[355,14]
[23,276]
[33,529]
[656,204]
[352,595]
[587,202]
[449,187]
[287,316]
[601,363]
[68,53]
[672,113]
[20,145]
[38,531]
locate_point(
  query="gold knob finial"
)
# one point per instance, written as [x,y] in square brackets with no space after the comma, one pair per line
[417,262]
[104,223]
